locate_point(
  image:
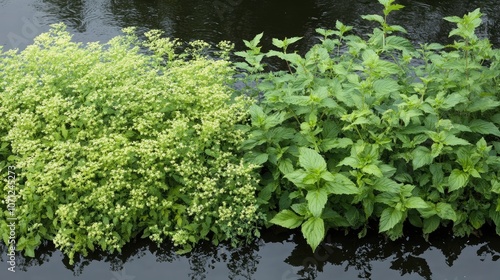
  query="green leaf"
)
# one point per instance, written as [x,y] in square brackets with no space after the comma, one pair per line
[311,160]
[316,201]
[421,156]
[341,185]
[431,224]
[385,86]
[477,219]
[314,231]
[445,211]
[386,185]
[415,203]
[376,18]
[483,104]
[484,127]
[287,219]
[373,170]
[341,143]
[389,218]
[452,140]
[296,177]
[300,208]
[457,180]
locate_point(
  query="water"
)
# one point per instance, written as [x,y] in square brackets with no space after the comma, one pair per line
[283,256]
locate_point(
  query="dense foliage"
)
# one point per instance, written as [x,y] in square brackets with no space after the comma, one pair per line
[375,129]
[132,138]
[109,142]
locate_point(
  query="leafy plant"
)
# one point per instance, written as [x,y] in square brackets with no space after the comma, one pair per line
[111,143]
[360,129]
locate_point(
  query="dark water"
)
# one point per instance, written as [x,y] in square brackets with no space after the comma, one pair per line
[282,256]
[276,256]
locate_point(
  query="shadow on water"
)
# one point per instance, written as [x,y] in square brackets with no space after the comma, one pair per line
[235,20]
[285,256]
[277,255]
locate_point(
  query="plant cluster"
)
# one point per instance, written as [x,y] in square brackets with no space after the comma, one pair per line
[111,142]
[134,138]
[375,129]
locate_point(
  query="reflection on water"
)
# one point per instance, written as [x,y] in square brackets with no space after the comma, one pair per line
[286,256]
[234,20]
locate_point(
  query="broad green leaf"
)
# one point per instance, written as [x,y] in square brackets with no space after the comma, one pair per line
[285,166]
[389,218]
[296,177]
[316,201]
[376,18]
[431,224]
[415,203]
[452,140]
[477,219]
[341,143]
[311,160]
[421,156]
[300,208]
[287,219]
[483,104]
[257,158]
[314,231]
[385,86]
[484,127]
[387,185]
[457,180]
[445,211]
[341,185]
[373,170]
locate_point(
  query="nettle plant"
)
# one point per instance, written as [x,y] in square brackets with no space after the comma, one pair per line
[377,129]
[112,143]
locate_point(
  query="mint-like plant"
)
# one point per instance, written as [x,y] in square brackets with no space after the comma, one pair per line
[362,129]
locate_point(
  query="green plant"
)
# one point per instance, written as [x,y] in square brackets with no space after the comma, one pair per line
[110,143]
[360,129]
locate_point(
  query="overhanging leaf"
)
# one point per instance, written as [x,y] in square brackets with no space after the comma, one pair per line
[389,218]
[314,231]
[287,219]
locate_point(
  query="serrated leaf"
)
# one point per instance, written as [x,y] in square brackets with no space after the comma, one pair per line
[389,218]
[341,185]
[341,143]
[314,231]
[431,224]
[385,86]
[296,177]
[457,180]
[415,203]
[483,104]
[445,211]
[477,219]
[287,219]
[300,208]
[421,156]
[285,166]
[484,127]
[452,140]
[373,170]
[316,201]
[386,185]
[376,18]
[311,160]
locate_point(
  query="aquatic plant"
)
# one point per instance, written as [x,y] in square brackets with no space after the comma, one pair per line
[374,128]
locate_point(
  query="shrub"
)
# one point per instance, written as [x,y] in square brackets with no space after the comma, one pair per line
[110,142]
[360,129]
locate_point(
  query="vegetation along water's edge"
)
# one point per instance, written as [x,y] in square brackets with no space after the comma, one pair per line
[101,143]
